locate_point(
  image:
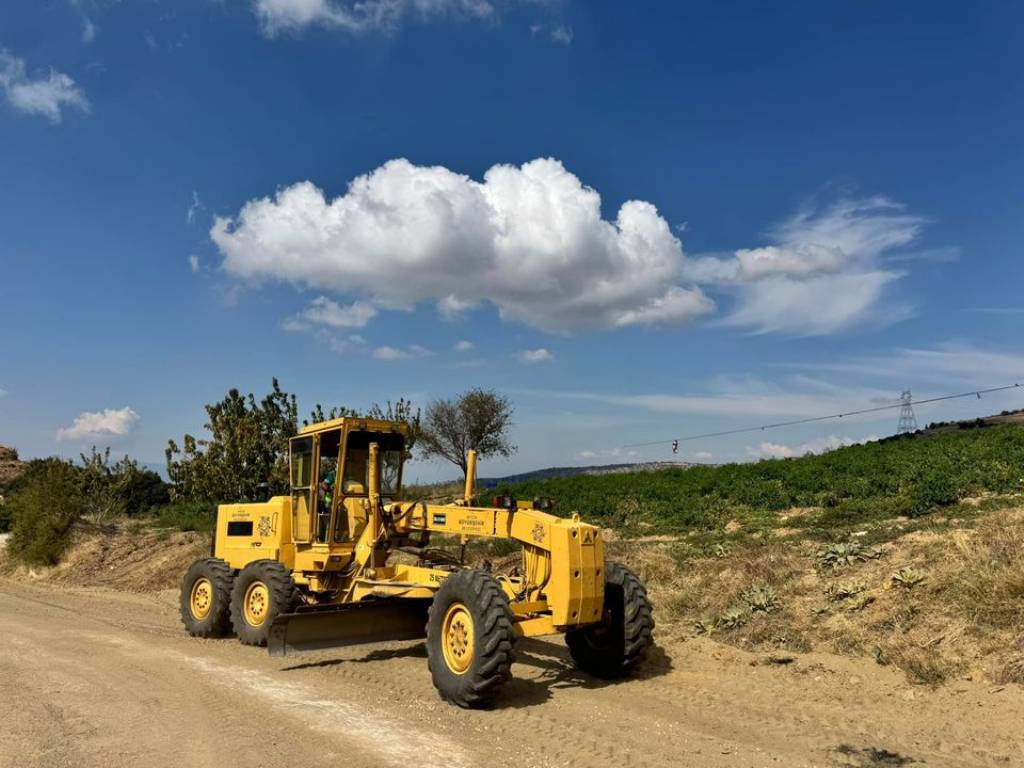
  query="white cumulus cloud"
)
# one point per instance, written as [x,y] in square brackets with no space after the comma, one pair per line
[533,356]
[45,95]
[531,240]
[464,346]
[357,16]
[109,423]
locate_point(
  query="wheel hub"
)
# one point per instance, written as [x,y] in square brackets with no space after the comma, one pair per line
[457,638]
[201,599]
[256,604]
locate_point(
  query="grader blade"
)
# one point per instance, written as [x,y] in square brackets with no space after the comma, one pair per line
[317,628]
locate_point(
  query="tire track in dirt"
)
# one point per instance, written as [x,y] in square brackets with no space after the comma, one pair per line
[695,704]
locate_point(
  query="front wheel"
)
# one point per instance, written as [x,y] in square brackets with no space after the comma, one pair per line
[470,637]
[263,590]
[614,647]
[205,598]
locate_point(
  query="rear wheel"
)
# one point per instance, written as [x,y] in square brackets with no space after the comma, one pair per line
[206,597]
[615,646]
[470,638]
[263,590]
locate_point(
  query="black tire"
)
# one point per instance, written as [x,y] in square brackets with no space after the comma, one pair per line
[269,586]
[488,658]
[206,598]
[613,648]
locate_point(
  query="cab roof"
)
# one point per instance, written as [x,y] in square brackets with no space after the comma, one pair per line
[357,423]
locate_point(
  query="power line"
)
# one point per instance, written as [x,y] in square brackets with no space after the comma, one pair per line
[902,404]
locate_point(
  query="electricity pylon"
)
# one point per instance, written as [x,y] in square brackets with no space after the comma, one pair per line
[908,422]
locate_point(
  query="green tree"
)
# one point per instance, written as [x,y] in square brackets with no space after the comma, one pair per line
[144,491]
[400,410]
[246,454]
[104,486]
[478,419]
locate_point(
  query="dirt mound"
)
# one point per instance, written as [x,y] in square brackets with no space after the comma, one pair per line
[940,601]
[125,556]
[10,467]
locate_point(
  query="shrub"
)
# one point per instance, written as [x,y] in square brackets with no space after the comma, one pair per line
[185,516]
[45,504]
[936,488]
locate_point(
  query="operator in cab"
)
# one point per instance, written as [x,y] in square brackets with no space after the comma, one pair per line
[326,493]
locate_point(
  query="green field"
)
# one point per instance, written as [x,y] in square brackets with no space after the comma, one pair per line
[910,476]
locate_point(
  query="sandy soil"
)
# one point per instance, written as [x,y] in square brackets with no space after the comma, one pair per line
[93,676]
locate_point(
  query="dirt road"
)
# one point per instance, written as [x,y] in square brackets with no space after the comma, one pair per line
[95,677]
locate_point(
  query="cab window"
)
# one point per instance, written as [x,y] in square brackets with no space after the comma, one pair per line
[302,463]
[357,478]
[391,447]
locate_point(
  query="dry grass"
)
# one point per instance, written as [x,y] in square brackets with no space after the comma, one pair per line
[957,605]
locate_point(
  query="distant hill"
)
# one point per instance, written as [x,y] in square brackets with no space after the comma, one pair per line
[597,469]
[1006,417]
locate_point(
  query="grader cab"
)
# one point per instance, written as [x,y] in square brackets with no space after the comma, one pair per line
[320,568]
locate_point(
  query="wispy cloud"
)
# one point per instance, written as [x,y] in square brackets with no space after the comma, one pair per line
[534,356]
[325,312]
[97,425]
[89,30]
[194,207]
[410,352]
[193,263]
[795,397]
[464,346]
[825,271]
[608,454]
[558,33]
[943,368]
[47,95]
[359,16]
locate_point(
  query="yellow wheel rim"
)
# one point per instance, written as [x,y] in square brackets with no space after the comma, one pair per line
[256,604]
[201,599]
[457,638]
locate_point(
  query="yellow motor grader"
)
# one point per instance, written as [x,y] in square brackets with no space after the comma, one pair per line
[318,569]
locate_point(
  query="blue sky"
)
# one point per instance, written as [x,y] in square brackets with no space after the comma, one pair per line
[640,221]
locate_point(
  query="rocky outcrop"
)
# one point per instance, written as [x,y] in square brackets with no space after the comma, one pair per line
[10,466]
